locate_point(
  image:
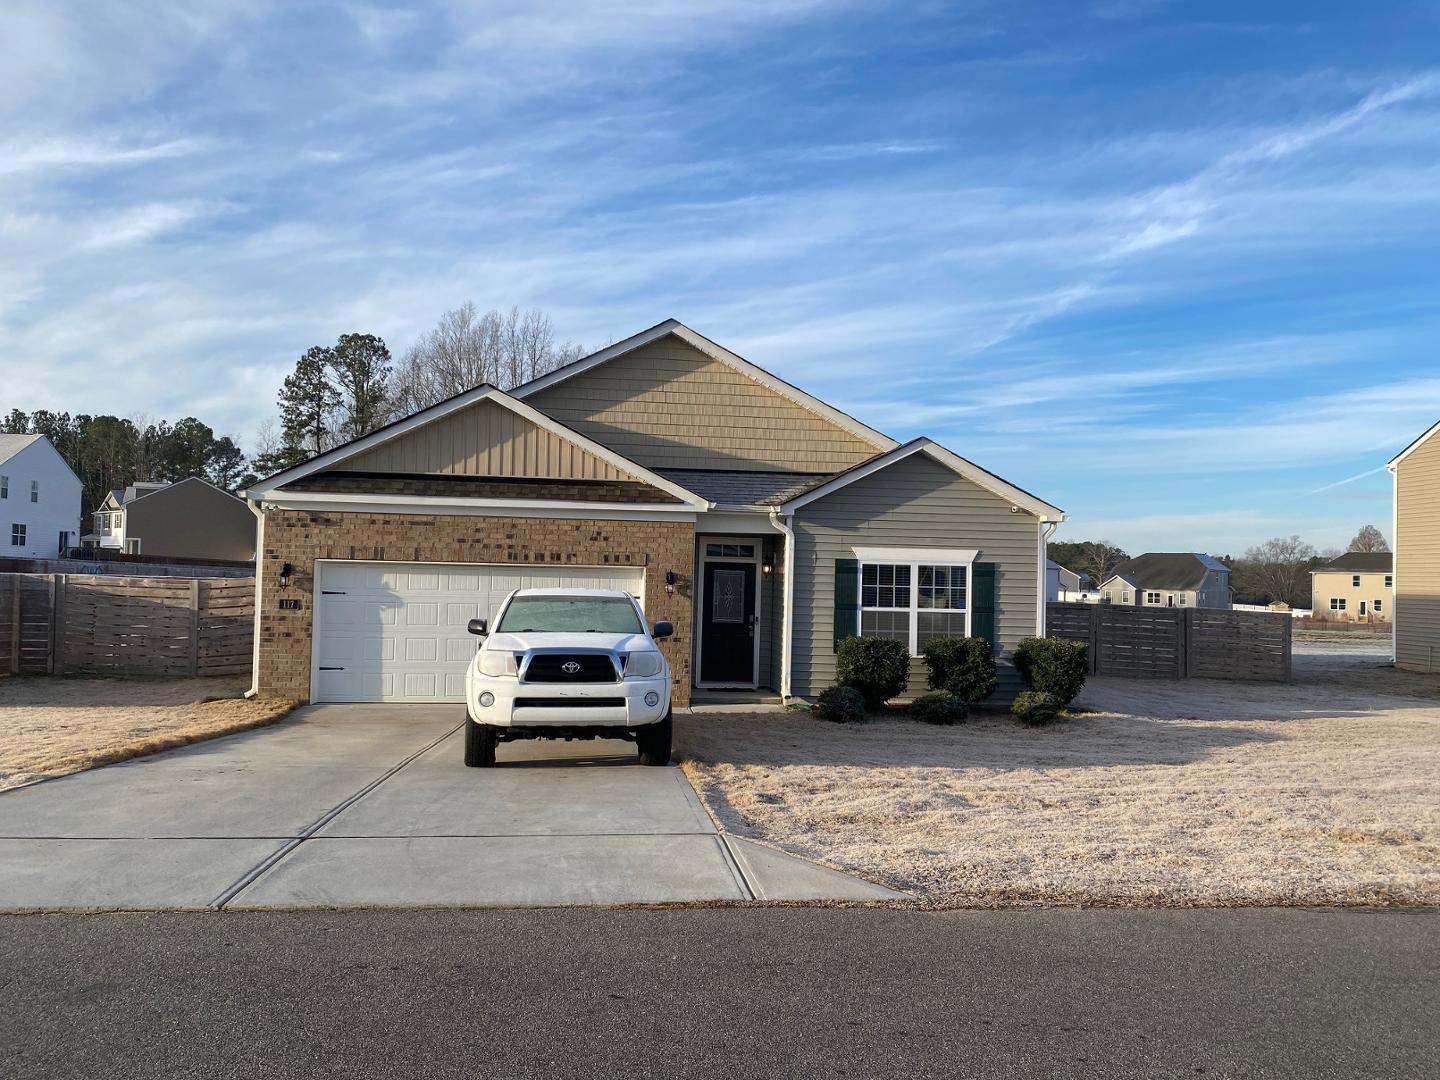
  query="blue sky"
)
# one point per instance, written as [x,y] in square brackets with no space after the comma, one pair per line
[1172,266]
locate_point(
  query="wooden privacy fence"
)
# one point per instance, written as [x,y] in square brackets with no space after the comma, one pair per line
[68,623]
[1177,643]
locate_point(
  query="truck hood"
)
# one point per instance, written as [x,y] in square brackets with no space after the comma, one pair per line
[616,643]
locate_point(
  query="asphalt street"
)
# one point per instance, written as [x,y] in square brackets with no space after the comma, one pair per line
[729,992]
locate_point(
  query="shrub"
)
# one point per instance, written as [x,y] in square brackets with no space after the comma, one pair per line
[963,666]
[878,667]
[840,705]
[1053,666]
[940,707]
[1033,708]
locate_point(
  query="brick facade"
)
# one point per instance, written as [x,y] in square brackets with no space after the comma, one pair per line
[300,537]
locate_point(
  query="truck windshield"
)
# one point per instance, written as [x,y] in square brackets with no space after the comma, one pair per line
[593,614]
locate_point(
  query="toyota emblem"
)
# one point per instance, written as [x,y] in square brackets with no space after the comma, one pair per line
[570,667]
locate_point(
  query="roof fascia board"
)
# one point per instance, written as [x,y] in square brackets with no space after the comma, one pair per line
[1398,458]
[954,462]
[877,439]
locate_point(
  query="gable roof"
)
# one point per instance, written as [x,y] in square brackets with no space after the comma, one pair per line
[733,489]
[951,460]
[483,392]
[1358,562]
[1420,441]
[156,489]
[674,327]
[1167,569]
[10,445]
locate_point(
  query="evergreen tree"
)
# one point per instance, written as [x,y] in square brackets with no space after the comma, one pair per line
[308,400]
[360,365]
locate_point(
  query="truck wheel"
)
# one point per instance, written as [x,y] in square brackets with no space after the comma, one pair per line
[479,744]
[653,742]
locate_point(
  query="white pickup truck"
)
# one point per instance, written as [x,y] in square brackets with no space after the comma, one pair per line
[568,664]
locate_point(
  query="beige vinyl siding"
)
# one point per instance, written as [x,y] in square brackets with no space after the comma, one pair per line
[1417,558]
[917,502]
[668,405]
[1327,584]
[484,439]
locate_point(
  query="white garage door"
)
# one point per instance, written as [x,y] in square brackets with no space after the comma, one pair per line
[396,631]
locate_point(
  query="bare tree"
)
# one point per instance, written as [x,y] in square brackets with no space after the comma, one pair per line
[466,348]
[1280,569]
[1369,538]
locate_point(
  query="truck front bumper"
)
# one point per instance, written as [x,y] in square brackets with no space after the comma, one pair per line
[630,703]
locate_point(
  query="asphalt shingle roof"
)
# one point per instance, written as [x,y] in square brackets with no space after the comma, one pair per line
[743,490]
[10,445]
[1359,562]
[1168,569]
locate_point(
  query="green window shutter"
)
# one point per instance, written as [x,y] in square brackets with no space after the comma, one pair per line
[982,602]
[847,599]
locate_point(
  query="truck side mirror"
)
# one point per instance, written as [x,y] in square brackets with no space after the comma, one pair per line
[663,629]
[477,627]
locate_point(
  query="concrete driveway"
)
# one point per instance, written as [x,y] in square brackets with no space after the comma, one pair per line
[346,805]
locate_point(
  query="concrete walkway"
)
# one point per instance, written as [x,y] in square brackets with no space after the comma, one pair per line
[366,805]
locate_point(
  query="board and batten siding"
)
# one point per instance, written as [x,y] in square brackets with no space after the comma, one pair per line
[484,439]
[916,503]
[668,405]
[1417,558]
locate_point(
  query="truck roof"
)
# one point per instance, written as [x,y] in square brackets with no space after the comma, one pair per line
[614,594]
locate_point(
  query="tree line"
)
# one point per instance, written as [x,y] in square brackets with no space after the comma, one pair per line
[335,393]
[1277,569]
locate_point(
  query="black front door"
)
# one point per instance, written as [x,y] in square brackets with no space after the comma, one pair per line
[727,624]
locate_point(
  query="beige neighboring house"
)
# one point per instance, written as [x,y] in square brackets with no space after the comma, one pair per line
[1416,473]
[189,519]
[1355,587]
[1169,579]
[764,523]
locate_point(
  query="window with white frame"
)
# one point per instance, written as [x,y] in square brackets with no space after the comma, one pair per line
[1124,598]
[17,535]
[912,602]
[35,491]
[1337,603]
[1376,605]
[1355,580]
[1389,581]
[1152,598]
[4,487]
[1182,599]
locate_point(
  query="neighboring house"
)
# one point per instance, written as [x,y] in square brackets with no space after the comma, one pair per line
[764,523]
[39,499]
[1354,587]
[1416,620]
[1066,585]
[189,519]
[1169,579]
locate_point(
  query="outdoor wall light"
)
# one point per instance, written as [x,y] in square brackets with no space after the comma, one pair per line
[285,573]
[670,579]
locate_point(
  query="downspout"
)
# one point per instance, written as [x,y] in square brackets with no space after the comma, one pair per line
[787,622]
[1047,530]
[1394,596]
[259,566]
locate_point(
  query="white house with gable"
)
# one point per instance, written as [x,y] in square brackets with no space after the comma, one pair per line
[39,499]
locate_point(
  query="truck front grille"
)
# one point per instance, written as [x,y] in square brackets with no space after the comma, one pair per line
[570,668]
[570,703]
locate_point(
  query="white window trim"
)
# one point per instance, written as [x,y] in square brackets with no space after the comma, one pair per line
[915,558]
[4,487]
[19,534]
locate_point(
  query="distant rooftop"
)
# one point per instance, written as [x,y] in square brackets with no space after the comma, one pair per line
[1361,562]
[1168,569]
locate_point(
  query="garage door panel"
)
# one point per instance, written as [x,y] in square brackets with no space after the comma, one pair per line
[398,631]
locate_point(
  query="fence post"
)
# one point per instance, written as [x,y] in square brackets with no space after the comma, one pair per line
[52,661]
[14,625]
[1289,661]
[1184,643]
[194,627]
[1094,639]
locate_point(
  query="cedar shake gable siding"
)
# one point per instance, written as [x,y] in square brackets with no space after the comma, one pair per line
[1417,557]
[301,537]
[667,405]
[914,503]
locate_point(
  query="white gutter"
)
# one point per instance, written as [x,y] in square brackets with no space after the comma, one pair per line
[1047,530]
[1394,596]
[259,565]
[788,620]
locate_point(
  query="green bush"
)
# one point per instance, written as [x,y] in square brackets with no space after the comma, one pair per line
[878,667]
[1034,708]
[939,707]
[1053,666]
[840,705]
[963,666]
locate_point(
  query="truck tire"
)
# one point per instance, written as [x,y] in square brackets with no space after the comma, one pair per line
[653,742]
[479,745]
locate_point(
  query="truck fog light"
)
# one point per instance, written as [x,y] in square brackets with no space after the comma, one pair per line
[487,699]
[652,699]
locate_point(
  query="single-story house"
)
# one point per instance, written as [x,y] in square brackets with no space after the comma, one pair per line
[1354,587]
[764,523]
[39,499]
[1169,579]
[188,519]
[1416,622]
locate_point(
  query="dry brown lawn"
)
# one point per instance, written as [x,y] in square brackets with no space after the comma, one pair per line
[53,726]
[1326,791]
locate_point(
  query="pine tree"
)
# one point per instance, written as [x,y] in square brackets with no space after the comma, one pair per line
[360,364]
[308,401]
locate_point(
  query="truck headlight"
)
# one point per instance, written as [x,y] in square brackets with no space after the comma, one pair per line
[495,663]
[642,665]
